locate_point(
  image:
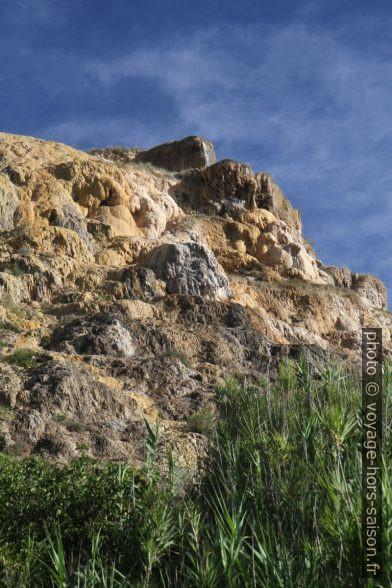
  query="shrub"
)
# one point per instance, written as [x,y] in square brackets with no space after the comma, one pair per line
[202,422]
[22,234]
[179,355]
[6,413]
[8,303]
[279,503]
[14,269]
[25,358]
[75,426]
[82,447]
[8,326]
[19,447]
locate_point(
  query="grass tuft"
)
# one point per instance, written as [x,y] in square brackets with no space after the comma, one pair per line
[25,358]
[279,504]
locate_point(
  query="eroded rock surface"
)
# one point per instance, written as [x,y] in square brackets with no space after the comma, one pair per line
[188,268]
[191,152]
[127,291]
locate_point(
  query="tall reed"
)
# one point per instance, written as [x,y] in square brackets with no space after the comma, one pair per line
[279,505]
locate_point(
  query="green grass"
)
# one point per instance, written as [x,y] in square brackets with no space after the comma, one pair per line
[14,269]
[8,326]
[202,422]
[22,233]
[17,309]
[279,505]
[6,413]
[178,355]
[25,358]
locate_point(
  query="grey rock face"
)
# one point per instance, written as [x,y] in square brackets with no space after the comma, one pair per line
[141,283]
[342,276]
[70,218]
[9,203]
[97,334]
[218,189]
[371,289]
[10,385]
[72,389]
[188,268]
[229,187]
[191,152]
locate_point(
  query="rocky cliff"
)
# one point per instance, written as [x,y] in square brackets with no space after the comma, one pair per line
[132,281]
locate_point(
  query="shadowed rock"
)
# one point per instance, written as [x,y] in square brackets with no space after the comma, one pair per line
[230,187]
[69,217]
[191,152]
[98,334]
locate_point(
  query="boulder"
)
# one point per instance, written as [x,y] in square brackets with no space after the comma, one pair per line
[133,282]
[141,283]
[342,276]
[69,217]
[230,187]
[94,334]
[188,268]
[225,187]
[191,152]
[371,290]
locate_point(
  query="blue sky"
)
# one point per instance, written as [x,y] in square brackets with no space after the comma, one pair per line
[300,89]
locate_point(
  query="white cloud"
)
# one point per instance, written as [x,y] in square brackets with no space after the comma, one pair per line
[305,91]
[38,9]
[308,105]
[101,133]
[41,9]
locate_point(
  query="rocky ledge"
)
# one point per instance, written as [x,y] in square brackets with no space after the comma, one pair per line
[133,281]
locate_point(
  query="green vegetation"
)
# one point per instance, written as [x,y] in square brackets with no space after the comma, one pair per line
[25,358]
[103,296]
[178,355]
[14,269]
[21,234]
[6,413]
[279,505]
[17,309]
[8,326]
[202,422]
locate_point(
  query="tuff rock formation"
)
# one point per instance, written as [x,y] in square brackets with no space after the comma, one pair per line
[132,281]
[188,268]
[191,152]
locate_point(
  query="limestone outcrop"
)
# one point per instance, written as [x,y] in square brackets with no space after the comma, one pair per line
[132,281]
[191,152]
[230,188]
[188,268]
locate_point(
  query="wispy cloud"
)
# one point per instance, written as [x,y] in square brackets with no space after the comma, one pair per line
[42,10]
[121,130]
[301,94]
[307,104]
